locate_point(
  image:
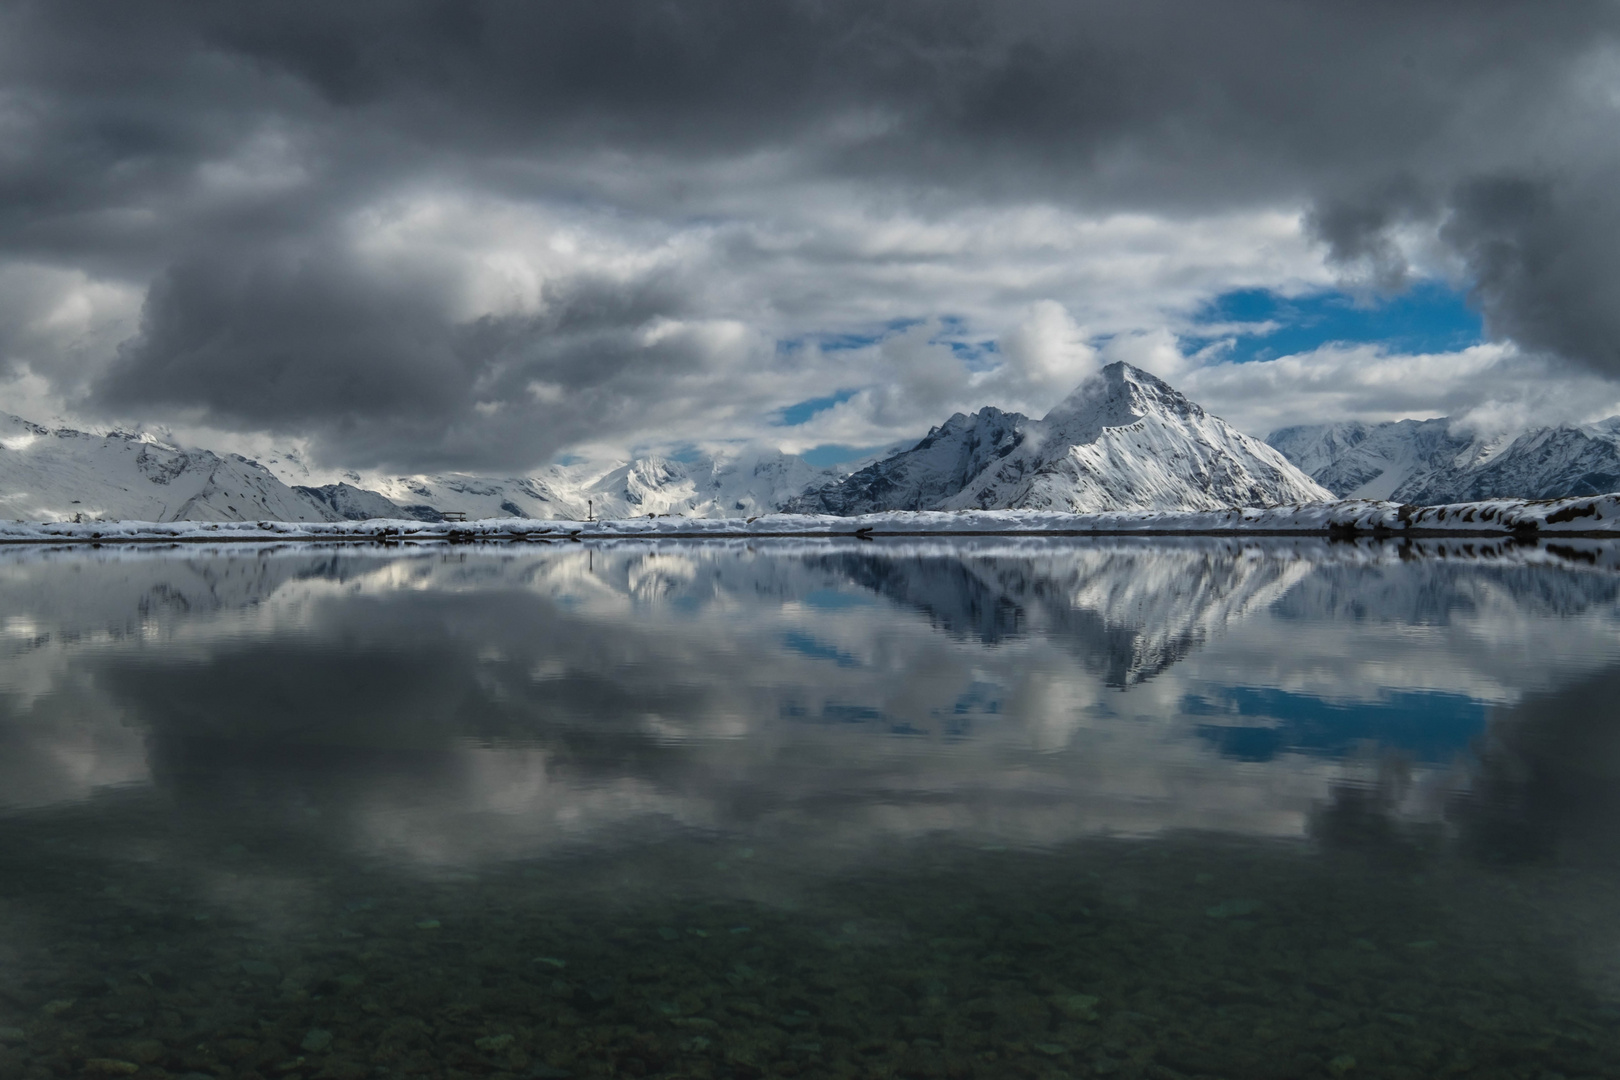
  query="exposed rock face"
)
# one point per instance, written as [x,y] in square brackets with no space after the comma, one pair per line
[939,466]
[352,503]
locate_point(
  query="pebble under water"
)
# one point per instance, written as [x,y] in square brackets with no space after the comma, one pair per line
[1035,809]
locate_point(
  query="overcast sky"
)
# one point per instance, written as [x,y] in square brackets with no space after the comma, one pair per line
[484,236]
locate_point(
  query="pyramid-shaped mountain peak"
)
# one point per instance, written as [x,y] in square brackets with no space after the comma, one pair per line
[1122,440]
[1118,395]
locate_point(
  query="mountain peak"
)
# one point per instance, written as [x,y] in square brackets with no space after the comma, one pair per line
[1117,396]
[1124,439]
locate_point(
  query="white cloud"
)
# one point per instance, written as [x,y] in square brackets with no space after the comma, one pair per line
[1038,282]
[1492,387]
[1040,295]
[1048,350]
[57,326]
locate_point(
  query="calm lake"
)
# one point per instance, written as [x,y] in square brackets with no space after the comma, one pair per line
[1065,808]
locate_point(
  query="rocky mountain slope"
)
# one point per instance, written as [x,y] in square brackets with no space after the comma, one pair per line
[1549,463]
[1123,440]
[1430,462]
[352,503]
[921,478]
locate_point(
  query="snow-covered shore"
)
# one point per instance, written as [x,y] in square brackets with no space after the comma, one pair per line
[1593,516]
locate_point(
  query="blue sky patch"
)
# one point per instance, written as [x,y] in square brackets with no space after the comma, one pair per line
[830,454]
[1428,725]
[975,354]
[794,415]
[1428,317]
[843,342]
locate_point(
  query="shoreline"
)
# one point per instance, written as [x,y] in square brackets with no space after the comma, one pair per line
[508,537]
[1592,517]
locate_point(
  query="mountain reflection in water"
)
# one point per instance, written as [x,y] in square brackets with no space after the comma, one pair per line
[976,808]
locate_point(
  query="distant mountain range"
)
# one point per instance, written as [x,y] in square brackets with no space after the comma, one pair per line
[1124,439]
[61,475]
[1428,462]
[739,484]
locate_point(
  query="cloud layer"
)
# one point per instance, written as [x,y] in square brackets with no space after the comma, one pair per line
[477,235]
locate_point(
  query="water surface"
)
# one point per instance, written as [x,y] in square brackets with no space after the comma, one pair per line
[953,809]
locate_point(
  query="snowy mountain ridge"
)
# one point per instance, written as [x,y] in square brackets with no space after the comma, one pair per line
[1430,462]
[736,484]
[63,474]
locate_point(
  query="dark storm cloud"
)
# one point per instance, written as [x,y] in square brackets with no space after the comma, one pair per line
[1357,230]
[307,335]
[216,155]
[370,358]
[1544,261]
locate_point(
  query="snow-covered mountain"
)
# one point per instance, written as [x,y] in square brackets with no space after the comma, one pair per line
[1123,440]
[1429,462]
[1375,461]
[727,485]
[921,478]
[424,496]
[737,484]
[1549,463]
[63,475]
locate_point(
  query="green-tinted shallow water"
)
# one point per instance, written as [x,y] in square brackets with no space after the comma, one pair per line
[977,810]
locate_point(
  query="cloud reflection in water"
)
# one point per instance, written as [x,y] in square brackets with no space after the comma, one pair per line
[491,704]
